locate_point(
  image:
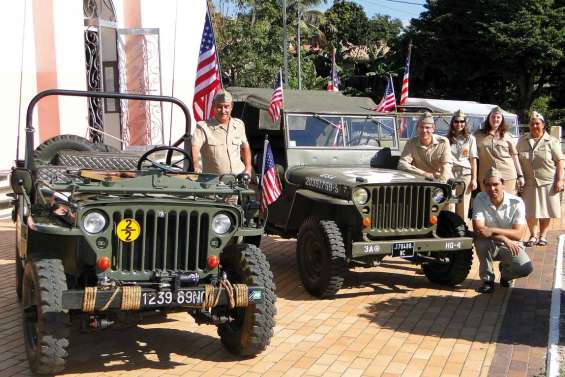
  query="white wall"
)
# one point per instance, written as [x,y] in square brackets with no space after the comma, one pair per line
[179,55]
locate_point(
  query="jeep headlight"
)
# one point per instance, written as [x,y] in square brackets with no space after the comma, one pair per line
[221,224]
[438,195]
[360,196]
[94,222]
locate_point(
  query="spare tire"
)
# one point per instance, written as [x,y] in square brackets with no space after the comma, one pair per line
[46,152]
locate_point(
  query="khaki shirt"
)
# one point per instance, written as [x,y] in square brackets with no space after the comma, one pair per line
[463,151]
[539,159]
[497,153]
[510,212]
[220,147]
[434,158]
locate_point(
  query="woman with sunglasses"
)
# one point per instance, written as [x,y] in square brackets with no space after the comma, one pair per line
[464,152]
[540,155]
[497,150]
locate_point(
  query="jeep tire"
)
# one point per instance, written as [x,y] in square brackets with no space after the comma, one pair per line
[251,328]
[320,255]
[46,325]
[452,267]
[47,151]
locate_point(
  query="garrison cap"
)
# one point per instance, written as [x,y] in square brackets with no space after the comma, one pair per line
[496,110]
[493,172]
[427,118]
[458,115]
[536,115]
[223,96]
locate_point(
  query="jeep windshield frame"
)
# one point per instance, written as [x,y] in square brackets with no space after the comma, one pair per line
[337,139]
[30,131]
[340,131]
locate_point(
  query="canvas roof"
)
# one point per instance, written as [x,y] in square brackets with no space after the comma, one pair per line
[306,101]
[451,106]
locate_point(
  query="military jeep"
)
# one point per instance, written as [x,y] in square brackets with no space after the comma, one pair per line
[105,237]
[343,198]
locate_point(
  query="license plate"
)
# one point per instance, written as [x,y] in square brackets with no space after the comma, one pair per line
[184,297]
[403,249]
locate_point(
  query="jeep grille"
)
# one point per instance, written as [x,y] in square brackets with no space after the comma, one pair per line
[400,208]
[169,240]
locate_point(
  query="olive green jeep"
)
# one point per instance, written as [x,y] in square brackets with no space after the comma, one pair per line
[105,237]
[343,198]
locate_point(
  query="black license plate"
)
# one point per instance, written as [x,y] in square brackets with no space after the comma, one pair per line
[403,249]
[184,297]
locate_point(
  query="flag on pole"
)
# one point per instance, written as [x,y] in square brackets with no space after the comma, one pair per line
[270,185]
[406,78]
[208,81]
[276,99]
[388,102]
[333,84]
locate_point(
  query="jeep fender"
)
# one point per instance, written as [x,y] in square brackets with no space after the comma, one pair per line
[307,203]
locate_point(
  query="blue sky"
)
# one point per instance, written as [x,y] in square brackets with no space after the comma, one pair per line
[401,9]
[398,8]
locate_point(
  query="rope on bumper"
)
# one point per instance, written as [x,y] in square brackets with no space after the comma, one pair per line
[89,299]
[131,297]
[241,298]
[114,294]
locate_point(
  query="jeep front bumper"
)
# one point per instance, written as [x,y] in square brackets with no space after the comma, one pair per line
[149,298]
[418,245]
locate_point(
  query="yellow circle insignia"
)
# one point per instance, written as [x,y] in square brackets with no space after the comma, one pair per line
[128,230]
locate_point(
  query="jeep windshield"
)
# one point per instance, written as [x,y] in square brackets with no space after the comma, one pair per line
[340,131]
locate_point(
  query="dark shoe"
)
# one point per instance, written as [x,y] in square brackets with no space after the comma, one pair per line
[533,241]
[542,242]
[506,283]
[487,287]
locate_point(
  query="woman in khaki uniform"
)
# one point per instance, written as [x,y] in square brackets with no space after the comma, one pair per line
[540,155]
[497,150]
[464,153]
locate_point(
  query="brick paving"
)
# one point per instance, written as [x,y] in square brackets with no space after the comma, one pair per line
[387,321]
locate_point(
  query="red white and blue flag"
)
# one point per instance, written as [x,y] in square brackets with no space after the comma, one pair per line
[388,102]
[276,99]
[208,81]
[406,78]
[333,84]
[270,185]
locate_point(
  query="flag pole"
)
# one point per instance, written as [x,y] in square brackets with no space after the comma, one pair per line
[209,14]
[393,92]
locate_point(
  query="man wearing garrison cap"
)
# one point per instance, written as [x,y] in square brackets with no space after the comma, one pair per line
[427,154]
[499,221]
[221,141]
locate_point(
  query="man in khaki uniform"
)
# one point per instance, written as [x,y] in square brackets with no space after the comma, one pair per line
[221,141]
[427,154]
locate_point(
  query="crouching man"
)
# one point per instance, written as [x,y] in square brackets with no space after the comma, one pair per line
[499,221]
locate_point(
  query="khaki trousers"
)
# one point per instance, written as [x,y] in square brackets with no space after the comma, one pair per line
[511,266]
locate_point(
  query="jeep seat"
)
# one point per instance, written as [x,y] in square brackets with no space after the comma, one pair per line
[97,160]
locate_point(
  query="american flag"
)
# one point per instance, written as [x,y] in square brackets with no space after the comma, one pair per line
[333,85]
[270,185]
[276,99]
[406,78]
[208,81]
[388,102]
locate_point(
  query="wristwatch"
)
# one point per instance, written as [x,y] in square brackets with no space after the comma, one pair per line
[520,176]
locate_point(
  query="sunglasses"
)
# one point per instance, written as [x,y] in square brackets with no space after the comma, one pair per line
[458,121]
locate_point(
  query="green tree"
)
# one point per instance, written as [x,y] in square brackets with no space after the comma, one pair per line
[488,50]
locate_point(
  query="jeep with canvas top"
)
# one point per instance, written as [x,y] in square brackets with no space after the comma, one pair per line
[343,198]
[105,236]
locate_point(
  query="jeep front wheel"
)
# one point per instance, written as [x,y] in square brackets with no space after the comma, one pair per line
[46,325]
[250,329]
[320,255]
[450,269]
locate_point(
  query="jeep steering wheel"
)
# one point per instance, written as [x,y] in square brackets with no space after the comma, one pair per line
[184,164]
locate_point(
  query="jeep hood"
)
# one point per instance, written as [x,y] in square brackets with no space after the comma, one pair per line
[339,180]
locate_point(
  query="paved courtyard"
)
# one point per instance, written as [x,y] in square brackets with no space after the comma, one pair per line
[387,321]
